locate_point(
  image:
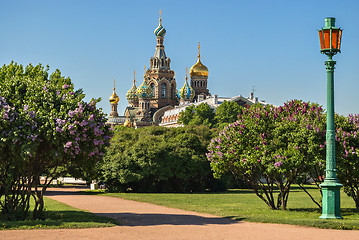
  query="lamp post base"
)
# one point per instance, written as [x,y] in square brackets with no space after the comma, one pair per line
[331,199]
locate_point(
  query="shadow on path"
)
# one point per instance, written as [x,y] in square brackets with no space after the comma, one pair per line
[155,219]
[67,190]
[129,218]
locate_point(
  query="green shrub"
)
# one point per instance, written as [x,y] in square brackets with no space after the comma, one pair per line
[157,159]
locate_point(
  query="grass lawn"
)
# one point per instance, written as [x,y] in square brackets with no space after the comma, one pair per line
[59,215]
[244,205]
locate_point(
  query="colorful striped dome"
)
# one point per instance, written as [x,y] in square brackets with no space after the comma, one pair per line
[144,90]
[160,31]
[186,93]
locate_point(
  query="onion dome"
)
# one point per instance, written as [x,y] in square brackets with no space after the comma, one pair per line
[131,94]
[114,98]
[198,69]
[160,31]
[144,90]
[186,93]
[127,123]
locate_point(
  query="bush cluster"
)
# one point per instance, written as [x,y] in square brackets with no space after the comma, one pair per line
[157,159]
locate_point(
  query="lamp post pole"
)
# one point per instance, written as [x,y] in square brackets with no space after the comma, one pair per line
[330,186]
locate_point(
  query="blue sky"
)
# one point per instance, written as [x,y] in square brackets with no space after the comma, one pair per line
[272,45]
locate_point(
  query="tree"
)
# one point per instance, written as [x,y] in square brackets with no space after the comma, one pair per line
[201,114]
[157,159]
[268,146]
[227,113]
[46,129]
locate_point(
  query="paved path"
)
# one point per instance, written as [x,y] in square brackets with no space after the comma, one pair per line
[148,221]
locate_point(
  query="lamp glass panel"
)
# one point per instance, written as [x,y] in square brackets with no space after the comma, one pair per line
[335,38]
[340,39]
[321,39]
[326,38]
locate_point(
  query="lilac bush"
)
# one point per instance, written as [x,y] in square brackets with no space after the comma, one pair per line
[46,130]
[347,139]
[271,147]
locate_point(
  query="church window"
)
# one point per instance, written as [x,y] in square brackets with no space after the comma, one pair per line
[153,86]
[163,90]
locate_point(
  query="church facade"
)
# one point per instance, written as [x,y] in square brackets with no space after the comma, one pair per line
[156,101]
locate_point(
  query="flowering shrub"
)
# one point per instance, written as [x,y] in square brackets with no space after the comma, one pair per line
[46,129]
[347,138]
[271,147]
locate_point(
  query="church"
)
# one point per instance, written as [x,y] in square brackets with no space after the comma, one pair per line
[156,100]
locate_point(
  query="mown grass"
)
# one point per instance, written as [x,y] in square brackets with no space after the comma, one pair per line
[244,205]
[59,215]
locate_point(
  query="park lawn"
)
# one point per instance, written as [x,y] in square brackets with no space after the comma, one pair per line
[244,205]
[59,215]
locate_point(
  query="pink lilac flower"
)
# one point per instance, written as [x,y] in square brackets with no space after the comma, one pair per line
[278,164]
[83,123]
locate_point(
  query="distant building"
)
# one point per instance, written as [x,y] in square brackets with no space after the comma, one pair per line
[157,102]
[170,117]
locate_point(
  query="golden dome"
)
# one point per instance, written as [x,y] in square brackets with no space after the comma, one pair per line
[114,98]
[198,69]
[127,123]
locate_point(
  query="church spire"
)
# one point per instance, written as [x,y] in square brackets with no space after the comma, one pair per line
[199,48]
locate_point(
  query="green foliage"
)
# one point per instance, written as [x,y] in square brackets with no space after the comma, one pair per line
[156,159]
[227,112]
[46,129]
[201,114]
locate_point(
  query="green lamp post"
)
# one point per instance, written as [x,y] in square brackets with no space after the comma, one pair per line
[330,41]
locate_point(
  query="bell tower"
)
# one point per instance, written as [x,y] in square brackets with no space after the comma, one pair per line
[159,76]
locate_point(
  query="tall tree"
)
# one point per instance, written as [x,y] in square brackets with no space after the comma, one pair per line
[46,129]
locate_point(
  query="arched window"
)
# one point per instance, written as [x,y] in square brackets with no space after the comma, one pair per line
[153,86]
[163,90]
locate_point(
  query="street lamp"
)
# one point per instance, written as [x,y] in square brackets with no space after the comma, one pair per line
[330,41]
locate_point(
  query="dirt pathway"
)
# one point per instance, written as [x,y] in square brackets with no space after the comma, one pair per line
[148,221]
